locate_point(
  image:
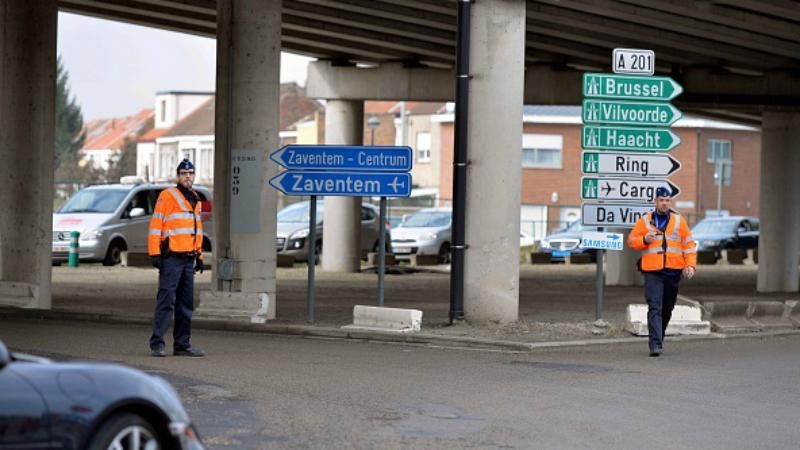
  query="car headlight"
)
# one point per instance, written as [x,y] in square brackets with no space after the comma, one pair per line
[709,243]
[299,234]
[428,237]
[92,234]
[544,244]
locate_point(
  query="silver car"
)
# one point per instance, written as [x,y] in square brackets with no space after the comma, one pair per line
[292,236]
[426,232]
[113,218]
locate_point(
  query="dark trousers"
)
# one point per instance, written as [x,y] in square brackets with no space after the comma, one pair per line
[660,291]
[175,294]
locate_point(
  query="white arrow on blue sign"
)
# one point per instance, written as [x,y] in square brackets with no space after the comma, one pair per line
[344,158]
[348,184]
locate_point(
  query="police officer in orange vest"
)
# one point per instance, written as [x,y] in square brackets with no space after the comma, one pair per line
[175,243]
[668,253]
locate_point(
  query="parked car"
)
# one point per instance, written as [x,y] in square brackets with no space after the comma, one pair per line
[725,233]
[292,236]
[426,232]
[113,218]
[566,242]
[526,240]
[90,406]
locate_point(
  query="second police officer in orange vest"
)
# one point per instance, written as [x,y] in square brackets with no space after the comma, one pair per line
[175,243]
[668,253]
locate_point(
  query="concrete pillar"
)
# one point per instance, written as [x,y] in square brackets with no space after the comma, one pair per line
[27,124]
[621,267]
[497,57]
[779,203]
[344,125]
[247,126]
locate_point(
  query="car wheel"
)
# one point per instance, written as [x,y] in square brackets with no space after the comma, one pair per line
[126,432]
[114,253]
[444,253]
[318,251]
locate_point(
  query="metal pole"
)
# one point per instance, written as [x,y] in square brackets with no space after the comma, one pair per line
[381,250]
[312,256]
[599,283]
[719,187]
[460,164]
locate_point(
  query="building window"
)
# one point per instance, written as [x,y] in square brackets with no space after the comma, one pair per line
[720,154]
[542,150]
[719,150]
[423,147]
[206,163]
[163,110]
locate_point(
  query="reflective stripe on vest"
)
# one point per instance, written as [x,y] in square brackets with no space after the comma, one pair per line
[676,236]
[179,198]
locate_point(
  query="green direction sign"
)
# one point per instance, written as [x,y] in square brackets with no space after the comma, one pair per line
[629,113]
[595,137]
[633,189]
[626,87]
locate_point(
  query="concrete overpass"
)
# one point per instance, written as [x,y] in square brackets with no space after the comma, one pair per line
[737,59]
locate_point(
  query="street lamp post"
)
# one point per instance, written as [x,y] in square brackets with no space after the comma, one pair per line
[373,123]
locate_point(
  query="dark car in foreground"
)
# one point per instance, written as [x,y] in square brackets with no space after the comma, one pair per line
[726,233]
[91,406]
[566,242]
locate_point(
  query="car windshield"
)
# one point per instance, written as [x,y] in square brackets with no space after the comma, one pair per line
[714,226]
[299,213]
[427,219]
[94,201]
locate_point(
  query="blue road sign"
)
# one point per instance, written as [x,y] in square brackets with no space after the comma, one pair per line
[344,158]
[350,184]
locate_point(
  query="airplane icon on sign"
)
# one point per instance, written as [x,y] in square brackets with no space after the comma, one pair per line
[395,183]
[608,189]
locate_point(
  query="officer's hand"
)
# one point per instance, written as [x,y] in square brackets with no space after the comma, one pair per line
[198,265]
[688,272]
[649,237]
[157,262]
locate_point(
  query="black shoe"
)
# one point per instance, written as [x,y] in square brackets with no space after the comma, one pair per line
[158,352]
[191,351]
[655,353]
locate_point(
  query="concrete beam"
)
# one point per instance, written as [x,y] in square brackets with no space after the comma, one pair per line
[544,85]
[387,82]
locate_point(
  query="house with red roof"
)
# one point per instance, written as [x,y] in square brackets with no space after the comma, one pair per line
[191,135]
[105,138]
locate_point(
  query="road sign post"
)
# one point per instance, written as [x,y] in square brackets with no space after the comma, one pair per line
[342,170]
[626,116]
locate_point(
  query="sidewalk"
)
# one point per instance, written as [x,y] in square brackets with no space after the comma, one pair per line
[557,302]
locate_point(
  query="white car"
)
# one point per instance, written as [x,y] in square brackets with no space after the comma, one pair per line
[426,232]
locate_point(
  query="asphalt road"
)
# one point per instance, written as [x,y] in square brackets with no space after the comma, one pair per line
[258,391]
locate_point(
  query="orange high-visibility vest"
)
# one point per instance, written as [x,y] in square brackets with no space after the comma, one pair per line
[173,218]
[673,249]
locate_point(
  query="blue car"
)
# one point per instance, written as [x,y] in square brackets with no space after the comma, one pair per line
[90,406]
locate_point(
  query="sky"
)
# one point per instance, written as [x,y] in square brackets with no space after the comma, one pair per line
[116,68]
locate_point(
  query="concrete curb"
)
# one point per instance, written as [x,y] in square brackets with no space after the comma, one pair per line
[749,316]
[424,339]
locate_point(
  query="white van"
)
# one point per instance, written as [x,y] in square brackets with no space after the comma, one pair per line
[113,218]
